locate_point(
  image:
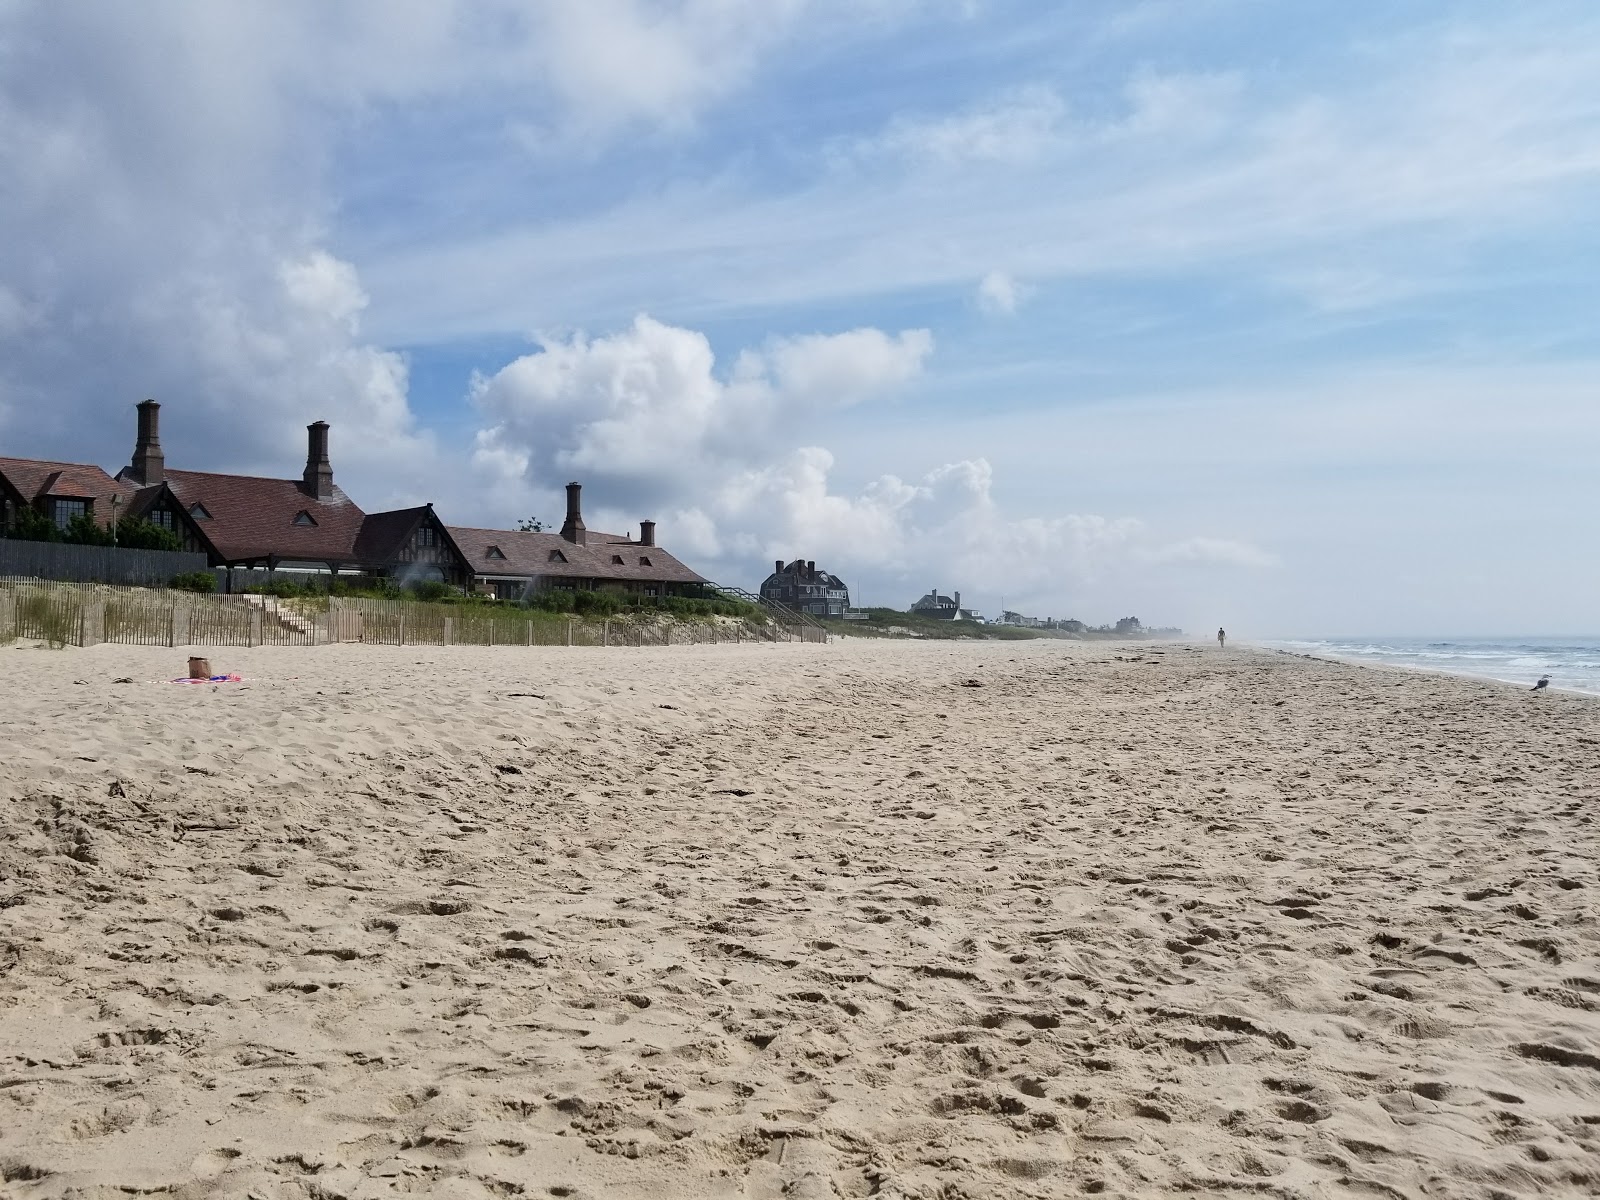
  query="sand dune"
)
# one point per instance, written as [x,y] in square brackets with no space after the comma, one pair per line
[790,921]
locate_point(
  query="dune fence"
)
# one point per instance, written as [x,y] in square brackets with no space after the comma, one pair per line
[71,614]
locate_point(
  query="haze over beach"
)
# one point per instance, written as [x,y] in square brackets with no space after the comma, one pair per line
[856,817]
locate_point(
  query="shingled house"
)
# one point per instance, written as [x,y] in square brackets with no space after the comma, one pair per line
[514,565]
[301,525]
[309,525]
[802,587]
[60,491]
[944,608]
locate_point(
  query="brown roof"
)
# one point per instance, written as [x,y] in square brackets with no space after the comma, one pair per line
[35,479]
[255,518]
[530,554]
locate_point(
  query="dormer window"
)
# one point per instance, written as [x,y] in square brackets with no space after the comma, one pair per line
[494,552]
[557,556]
[199,512]
[643,561]
[617,558]
[304,518]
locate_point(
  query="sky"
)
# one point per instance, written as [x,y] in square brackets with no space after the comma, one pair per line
[1282,317]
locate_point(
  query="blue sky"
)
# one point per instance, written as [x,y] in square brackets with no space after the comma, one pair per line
[1279,316]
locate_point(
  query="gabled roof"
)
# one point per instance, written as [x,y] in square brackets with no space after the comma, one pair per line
[254,518]
[146,498]
[384,535]
[530,554]
[797,572]
[34,479]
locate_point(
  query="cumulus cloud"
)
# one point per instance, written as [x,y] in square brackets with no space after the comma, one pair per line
[167,214]
[645,417]
[646,412]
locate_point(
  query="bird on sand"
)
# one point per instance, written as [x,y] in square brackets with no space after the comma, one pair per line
[1544,682]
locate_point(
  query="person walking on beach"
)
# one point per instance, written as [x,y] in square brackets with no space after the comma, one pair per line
[1222,639]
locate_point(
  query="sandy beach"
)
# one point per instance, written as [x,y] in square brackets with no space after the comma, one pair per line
[872,918]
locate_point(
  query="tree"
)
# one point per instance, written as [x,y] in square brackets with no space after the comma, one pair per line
[531,525]
[1129,625]
[28,524]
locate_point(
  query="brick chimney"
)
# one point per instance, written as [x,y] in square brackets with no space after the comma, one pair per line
[319,471]
[573,531]
[647,533]
[149,464]
[777,567]
[811,570]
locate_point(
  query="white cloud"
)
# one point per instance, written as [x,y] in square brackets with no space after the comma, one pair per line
[325,287]
[645,420]
[167,218]
[999,294]
[645,410]
[1455,138]
[841,369]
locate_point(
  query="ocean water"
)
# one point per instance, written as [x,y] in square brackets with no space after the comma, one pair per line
[1573,663]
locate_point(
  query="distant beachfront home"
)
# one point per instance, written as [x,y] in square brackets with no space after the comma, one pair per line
[944,608]
[805,589]
[514,565]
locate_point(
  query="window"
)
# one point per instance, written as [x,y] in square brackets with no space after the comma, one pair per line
[557,556]
[427,536]
[643,561]
[494,552]
[617,558]
[304,518]
[67,509]
[164,518]
[199,512]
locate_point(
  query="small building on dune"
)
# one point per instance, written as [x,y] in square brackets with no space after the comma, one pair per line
[805,589]
[514,565]
[944,608]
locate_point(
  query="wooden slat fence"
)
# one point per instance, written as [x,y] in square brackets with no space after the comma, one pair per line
[66,614]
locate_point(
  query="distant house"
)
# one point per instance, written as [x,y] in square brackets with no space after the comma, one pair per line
[944,608]
[514,565]
[802,587]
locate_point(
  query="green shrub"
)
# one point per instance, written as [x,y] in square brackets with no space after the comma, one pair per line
[556,600]
[433,591]
[31,525]
[84,530]
[195,581]
[597,604]
[135,533]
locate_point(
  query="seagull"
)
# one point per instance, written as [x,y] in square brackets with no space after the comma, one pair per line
[1544,682]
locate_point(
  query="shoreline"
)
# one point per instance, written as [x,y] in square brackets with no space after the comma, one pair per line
[1413,669]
